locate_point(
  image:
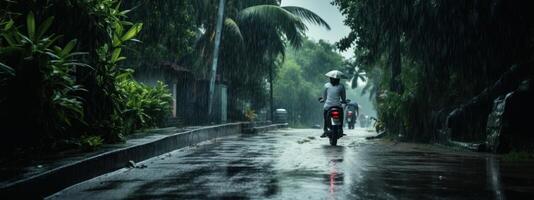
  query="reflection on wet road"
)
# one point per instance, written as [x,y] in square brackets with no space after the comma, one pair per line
[297,164]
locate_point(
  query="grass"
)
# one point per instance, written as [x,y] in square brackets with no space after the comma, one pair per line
[518,156]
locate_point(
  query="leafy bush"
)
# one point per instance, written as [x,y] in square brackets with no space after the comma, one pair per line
[41,82]
[250,114]
[37,82]
[90,143]
[145,106]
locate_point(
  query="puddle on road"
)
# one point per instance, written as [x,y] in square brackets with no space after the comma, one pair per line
[303,141]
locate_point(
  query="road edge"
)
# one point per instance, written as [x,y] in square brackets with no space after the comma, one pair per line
[57,179]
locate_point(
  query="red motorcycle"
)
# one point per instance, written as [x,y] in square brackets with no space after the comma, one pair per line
[334,127]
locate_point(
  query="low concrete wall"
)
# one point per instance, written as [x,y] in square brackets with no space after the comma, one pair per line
[263,128]
[55,180]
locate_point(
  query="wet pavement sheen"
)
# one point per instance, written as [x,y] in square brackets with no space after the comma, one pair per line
[297,164]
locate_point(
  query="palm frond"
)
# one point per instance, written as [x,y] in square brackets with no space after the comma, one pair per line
[284,21]
[231,28]
[307,15]
[276,47]
[249,3]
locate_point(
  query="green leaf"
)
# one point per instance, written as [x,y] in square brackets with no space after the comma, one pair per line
[9,39]
[77,54]
[68,48]
[116,41]
[286,22]
[25,38]
[118,28]
[124,12]
[231,27]
[307,15]
[115,55]
[126,74]
[52,41]
[30,25]
[118,5]
[44,27]
[120,58]
[127,23]
[134,30]
[4,69]
[52,55]
[78,64]
[8,25]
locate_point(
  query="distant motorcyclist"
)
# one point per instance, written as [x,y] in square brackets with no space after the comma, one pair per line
[333,96]
[353,106]
[353,111]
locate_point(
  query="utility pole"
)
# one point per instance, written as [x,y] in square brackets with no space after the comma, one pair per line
[271,92]
[220,18]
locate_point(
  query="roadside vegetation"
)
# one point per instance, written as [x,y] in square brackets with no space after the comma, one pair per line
[300,81]
[436,67]
[63,85]
[67,67]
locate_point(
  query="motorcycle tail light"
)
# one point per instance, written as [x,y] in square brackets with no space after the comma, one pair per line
[335,115]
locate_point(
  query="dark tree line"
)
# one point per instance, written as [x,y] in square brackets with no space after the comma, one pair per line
[435,56]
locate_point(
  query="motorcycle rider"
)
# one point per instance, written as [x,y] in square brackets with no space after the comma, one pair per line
[333,96]
[355,108]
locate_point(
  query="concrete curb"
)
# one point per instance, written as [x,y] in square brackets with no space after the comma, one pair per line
[47,183]
[265,128]
[475,147]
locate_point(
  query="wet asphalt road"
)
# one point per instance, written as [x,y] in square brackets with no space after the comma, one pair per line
[296,164]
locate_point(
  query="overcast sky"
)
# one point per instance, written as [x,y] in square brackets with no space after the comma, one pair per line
[331,15]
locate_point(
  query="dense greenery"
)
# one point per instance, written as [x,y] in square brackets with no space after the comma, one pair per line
[91,97]
[51,94]
[301,80]
[422,57]
[39,88]
[169,33]
[145,106]
[70,81]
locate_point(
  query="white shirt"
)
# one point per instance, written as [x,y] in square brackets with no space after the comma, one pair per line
[333,95]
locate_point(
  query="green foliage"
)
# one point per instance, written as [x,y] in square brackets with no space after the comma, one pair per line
[250,114]
[91,143]
[429,39]
[515,156]
[168,36]
[294,93]
[42,74]
[146,106]
[317,58]
[254,40]
[301,80]
[39,87]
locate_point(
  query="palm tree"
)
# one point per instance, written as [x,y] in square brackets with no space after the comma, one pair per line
[355,73]
[255,34]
